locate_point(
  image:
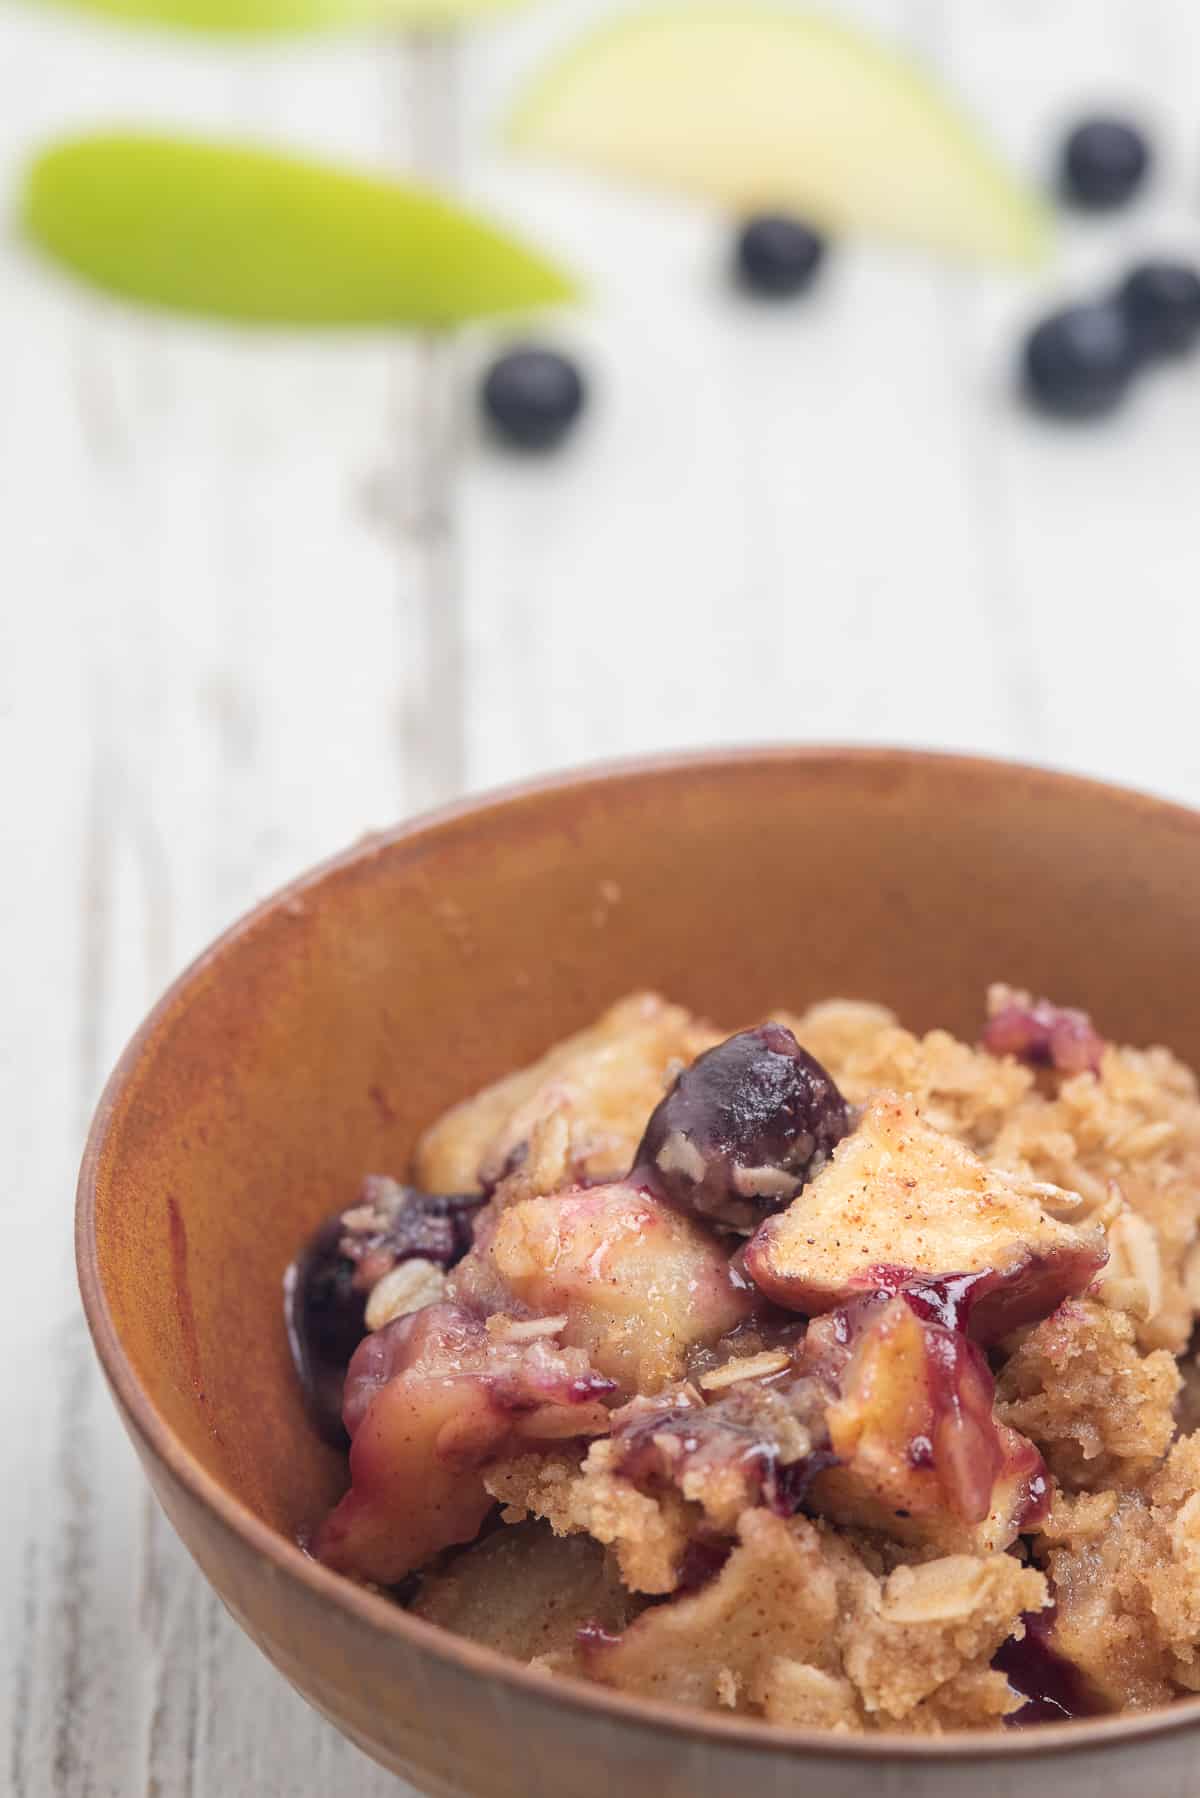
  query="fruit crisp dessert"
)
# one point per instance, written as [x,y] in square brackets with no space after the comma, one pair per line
[822,1373]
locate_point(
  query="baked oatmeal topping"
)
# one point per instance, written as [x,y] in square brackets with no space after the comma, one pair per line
[1102,1412]
[909,1458]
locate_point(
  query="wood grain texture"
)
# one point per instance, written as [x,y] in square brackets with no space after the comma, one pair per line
[263,593]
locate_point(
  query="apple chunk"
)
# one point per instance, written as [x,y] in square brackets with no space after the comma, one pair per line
[881,1419]
[636,1283]
[902,1204]
[917,1448]
[430,1401]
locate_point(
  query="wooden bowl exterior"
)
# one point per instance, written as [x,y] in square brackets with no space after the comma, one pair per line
[317,1038]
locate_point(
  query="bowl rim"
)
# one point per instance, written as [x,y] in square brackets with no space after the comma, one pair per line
[382,1614]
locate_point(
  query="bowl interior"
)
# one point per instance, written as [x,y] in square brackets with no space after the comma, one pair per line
[318,1038]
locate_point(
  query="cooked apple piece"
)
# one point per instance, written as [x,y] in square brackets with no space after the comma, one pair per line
[918,1450]
[884,1421]
[902,1203]
[636,1282]
[416,1486]
[743,1128]
[605,1080]
[430,1400]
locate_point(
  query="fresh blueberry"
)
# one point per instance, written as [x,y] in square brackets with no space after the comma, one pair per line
[778,256]
[533,396]
[1077,363]
[1104,163]
[1161,301]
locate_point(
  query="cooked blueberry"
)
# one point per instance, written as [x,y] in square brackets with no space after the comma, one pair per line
[1104,163]
[743,1128]
[390,1223]
[327,1286]
[1053,1687]
[532,396]
[1045,1036]
[1077,363]
[1161,302]
[325,1316]
[765,1439]
[778,255]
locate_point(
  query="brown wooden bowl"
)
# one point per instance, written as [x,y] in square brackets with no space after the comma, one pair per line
[314,1041]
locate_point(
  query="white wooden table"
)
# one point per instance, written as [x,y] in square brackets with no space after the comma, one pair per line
[258,594]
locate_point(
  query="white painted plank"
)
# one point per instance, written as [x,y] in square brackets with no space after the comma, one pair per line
[834,522]
[763,517]
[225,557]
[1095,532]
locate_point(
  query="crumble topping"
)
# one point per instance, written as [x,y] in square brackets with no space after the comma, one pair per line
[823,1373]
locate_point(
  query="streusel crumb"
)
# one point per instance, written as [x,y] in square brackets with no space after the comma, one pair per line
[822,1373]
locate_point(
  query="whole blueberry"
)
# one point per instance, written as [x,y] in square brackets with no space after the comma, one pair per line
[743,1128]
[325,1317]
[778,256]
[1104,162]
[533,396]
[1161,302]
[1077,363]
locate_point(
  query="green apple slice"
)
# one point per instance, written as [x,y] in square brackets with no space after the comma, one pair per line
[244,234]
[252,18]
[754,107]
